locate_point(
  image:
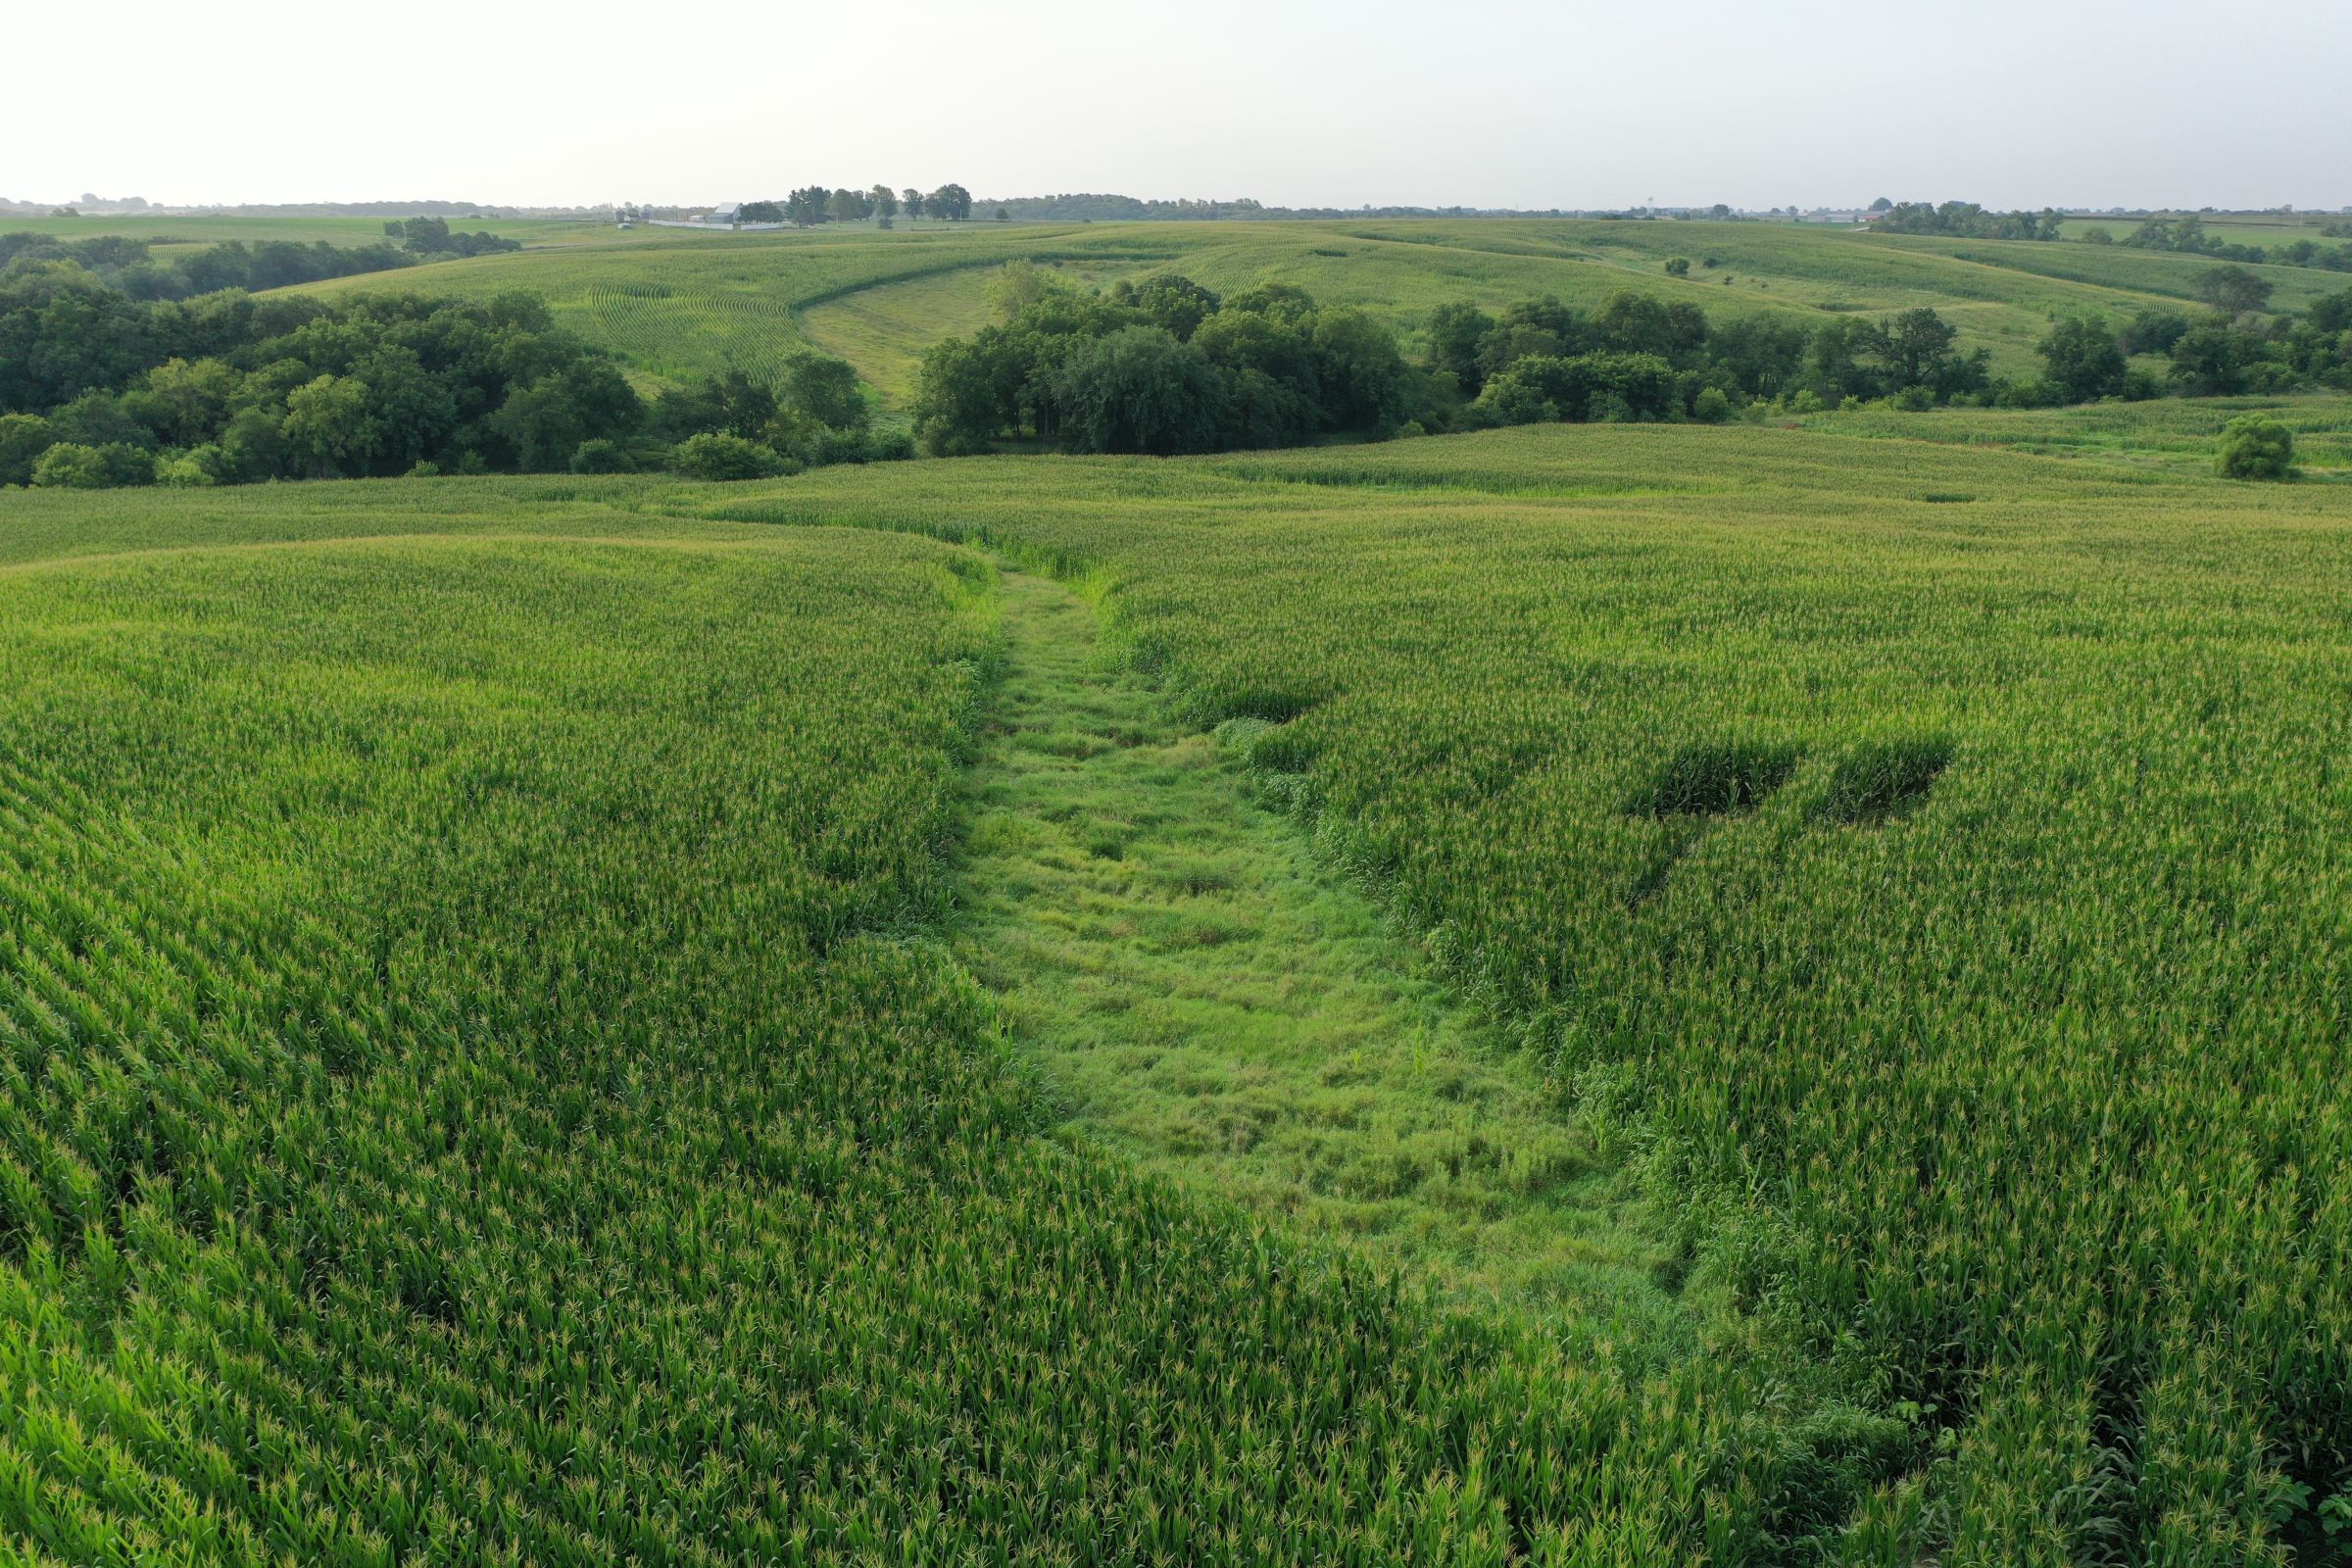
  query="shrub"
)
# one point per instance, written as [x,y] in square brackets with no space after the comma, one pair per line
[1679,266]
[24,437]
[197,467]
[716,456]
[601,455]
[72,466]
[1710,407]
[2255,445]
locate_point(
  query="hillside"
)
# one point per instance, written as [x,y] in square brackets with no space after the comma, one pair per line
[610,1017]
[677,305]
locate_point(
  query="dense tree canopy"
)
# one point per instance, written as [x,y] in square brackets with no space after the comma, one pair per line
[1163,365]
[99,388]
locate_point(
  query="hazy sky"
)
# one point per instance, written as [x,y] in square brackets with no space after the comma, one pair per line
[1758,103]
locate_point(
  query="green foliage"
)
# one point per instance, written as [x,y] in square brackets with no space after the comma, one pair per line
[1678,266]
[1966,219]
[74,465]
[2255,445]
[24,437]
[598,455]
[716,455]
[2086,362]
[2234,289]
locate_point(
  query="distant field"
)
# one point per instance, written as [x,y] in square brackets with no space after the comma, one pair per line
[2177,435]
[679,305]
[2238,228]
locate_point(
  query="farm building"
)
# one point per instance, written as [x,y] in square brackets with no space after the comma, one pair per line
[732,213]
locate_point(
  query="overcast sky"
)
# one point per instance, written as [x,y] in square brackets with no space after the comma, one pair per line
[1758,102]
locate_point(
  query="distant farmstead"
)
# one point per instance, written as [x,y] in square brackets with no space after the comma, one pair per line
[730,215]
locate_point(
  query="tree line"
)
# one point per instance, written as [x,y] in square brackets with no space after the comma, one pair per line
[813,205]
[1167,366]
[432,237]
[98,389]
[1963,220]
[2231,349]
[2187,237]
[128,266]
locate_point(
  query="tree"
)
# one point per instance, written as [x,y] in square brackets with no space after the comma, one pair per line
[885,203]
[185,403]
[960,395]
[1916,349]
[731,401]
[548,420]
[1171,300]
[24,437]
[847,206]
[914,200]
[1141,390]
[825,390]
[807,206]
[73,466]
[2211,360]
[2255,445]
[2084,361]
[762,213]
[1003,214]
[951,202]
[2234,289]
[1456,331]
[2099,235]
[1881,204]
[1678,266]
[715,455]
[328,429]
[1361,375]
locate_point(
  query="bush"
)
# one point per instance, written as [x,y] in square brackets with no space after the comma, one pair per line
[2255,445]
[24,437]
[197,467]
[72,466]
[1679,266]
[1710,407]
[601,455]
[715,456]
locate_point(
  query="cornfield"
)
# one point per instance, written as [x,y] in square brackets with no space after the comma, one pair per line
[479,1080]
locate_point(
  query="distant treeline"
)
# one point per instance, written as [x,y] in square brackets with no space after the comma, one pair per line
[99,389]
[813,205]
[432,237]
[1084,207]
[126,265]
[2186,236]
[1966,221]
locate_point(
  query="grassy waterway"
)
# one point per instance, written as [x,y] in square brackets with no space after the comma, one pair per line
[1203,995]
